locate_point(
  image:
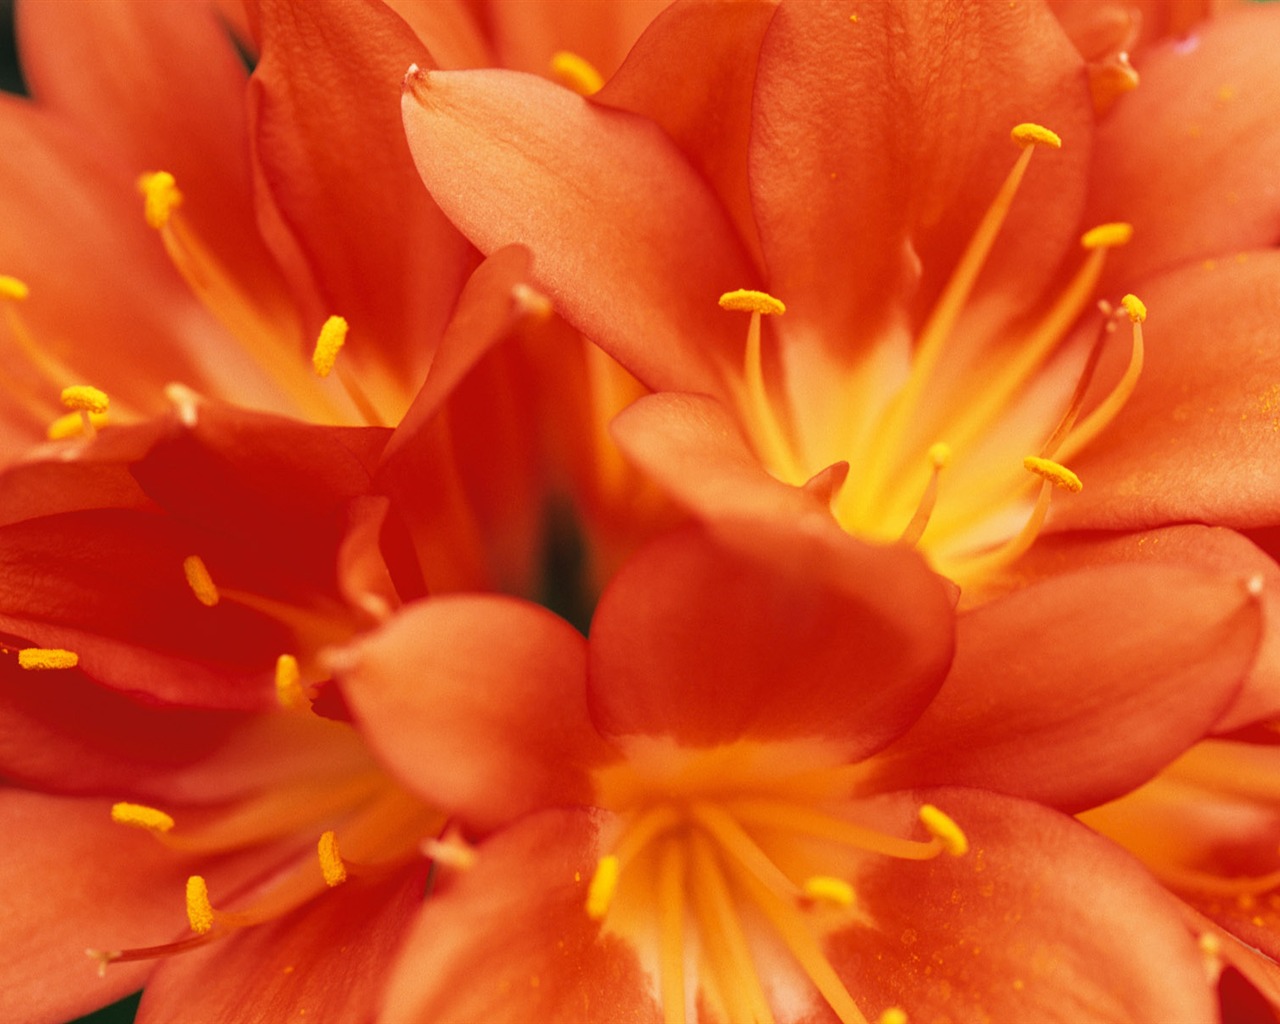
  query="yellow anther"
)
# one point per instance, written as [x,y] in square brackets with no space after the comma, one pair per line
[1055,472]
[576,72]
[333,335]
[829,890]
[1029,134]
[12,288]
[162,197]
[41,658]
[744,300]
[1107,236]
[199,580]
[141,816]
[199,909]
[85,398]
[893,1015]
[944,830]
[335,872]
[939,455]
[289,690]
[72,425]
[604,883]
[1135,307]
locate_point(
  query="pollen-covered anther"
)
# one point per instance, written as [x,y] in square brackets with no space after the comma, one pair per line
[331,864]
[1107,236]
[72,425]
[893,1015]
[576,73]
[604,884]
[199,909]
[939,455]
[289,691]
[826,889]
[160,193]
[12,288]
[1029,134]
[333,335]
[745,300]
[1135,307]
[199,580]
[943,829]
[84,398]
[1056,473]
[141,816]
[42,659]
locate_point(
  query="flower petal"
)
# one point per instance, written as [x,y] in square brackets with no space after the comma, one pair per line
[327,960]
[1212,406]
[881,138]
[513,158]
[478,704]
[1075,690]
[1004,932]
[1186,158]
[816,636]
[509,941]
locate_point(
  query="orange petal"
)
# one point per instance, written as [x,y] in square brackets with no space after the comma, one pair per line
[635,265]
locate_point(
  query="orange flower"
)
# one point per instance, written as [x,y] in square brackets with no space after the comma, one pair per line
[714,809]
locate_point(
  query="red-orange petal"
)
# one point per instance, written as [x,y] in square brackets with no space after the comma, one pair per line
[509,941]
[626,237]
[1073,691]
[478,703]
[1040,920]
[811,636]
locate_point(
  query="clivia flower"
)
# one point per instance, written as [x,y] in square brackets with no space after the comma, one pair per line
[745,796]
[937,371]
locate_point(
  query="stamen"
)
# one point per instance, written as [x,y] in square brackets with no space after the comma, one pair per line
[725,829]
[939,456]
[1107,236]
[12,288]
[604,884]
[141,816]
[745,300]
[199,580]
[199,909]
[331,864]
[72,425]
[893,1015]
[333,335]
[1056,473]
[40,659]
[671,887]
[160,192]
[84,398]
[1135,307]
[1028,134]
[946,831]
[788,817]
[826,889]
[289,692]
[576,73]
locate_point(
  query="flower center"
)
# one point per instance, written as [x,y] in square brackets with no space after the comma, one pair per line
[707,880]
[964,475]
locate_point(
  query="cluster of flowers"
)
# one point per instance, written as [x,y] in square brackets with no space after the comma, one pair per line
[530,510]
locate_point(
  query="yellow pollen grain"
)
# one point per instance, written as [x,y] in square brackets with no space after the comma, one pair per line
[12,288]
[160,193]
[893,1015]
[141,816]
[199,580]
[604,883]
[199,909]
[745,300]
[72,425]
[1135,307]
[829,890]
[40,659]
[289,690]
[577,73]
[946,831]
[84,398]
[1055,472]
[331,865]
[1028,134]
[1107,236]
[333,335]
[939,455]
